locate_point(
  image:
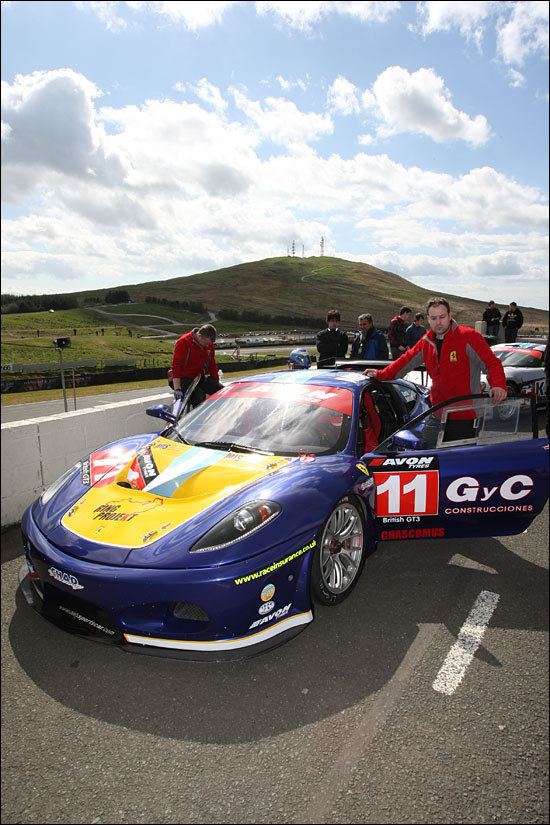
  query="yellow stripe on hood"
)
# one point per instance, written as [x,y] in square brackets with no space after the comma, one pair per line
[190,480]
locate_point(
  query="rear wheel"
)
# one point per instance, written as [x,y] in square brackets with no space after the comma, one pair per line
[340,553]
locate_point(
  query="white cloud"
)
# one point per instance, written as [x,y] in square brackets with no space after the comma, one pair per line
[192,15]
[525,33]
[287,85]
[467,17]
[303,14]
[281,122]
[521,278]
[172,188]
[107,12]
[419,102]
[516,78]
[343,97]
[51,127]
[297,14]
[521,27]
[205,91]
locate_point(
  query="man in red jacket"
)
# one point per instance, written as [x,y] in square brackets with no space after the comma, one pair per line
[453,356]
[194,355]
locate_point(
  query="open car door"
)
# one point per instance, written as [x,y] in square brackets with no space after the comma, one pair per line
[468,467]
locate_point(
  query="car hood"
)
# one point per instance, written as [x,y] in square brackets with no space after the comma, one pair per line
[163,486]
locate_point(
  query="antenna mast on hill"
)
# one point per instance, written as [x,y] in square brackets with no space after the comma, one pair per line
[293,249]
[322,245]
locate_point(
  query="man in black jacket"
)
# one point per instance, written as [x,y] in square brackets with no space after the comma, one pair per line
[512,321]
[398,332]
[492,318]
[332,343]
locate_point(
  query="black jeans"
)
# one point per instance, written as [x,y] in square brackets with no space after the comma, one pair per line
[206,386]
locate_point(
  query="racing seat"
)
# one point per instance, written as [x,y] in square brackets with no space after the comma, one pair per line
[370,424]
[389,421]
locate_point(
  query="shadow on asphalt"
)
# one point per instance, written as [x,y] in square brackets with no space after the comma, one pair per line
[346,655]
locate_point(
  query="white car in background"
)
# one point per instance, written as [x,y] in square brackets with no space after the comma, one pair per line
[524,369]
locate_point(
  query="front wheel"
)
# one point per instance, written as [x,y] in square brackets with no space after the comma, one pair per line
[506,412]
[340,553]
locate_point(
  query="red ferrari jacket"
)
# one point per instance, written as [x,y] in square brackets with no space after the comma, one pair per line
[457,371]
[190,359]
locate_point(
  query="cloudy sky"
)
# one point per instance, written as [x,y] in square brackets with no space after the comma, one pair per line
[149,140]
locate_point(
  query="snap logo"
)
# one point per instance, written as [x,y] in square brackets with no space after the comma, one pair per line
[65,578]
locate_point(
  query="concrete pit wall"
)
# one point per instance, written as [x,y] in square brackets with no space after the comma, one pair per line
[37,451]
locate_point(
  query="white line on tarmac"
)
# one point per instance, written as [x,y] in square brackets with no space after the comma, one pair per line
[463,651]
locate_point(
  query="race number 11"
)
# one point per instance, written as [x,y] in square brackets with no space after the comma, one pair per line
[407,494]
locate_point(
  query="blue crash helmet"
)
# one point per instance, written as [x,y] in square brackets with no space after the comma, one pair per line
[299,359]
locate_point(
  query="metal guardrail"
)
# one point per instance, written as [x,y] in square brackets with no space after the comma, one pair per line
[48,367]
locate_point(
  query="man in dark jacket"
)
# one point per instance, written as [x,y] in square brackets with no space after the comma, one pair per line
[369,343]
[416,330]
[512,321]
[492,317]
[332,343]
[398,332]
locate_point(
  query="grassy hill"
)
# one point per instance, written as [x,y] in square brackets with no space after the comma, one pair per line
[309,287]
[289,286]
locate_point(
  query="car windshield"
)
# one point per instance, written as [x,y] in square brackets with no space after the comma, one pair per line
[271,417]
[519,358]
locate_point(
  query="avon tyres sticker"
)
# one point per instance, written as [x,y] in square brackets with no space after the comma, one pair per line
[143,469]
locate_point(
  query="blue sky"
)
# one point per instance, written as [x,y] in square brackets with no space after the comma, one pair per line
[147,140]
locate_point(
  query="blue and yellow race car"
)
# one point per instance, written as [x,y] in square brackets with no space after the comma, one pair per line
[215,537]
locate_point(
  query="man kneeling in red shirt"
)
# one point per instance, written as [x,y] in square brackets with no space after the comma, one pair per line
[194,355]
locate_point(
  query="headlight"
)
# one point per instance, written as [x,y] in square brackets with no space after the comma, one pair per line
[50,491]
[236,525]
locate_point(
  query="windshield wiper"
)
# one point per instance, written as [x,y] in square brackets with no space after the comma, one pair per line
[232,446]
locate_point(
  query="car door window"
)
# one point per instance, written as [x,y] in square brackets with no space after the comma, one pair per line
[468,421]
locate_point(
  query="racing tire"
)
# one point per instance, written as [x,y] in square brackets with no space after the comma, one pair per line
[505,412]
[340,554]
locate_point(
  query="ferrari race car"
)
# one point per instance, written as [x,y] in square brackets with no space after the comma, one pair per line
[214,537]
[524,369]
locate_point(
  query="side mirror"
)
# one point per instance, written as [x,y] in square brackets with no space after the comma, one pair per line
[161,411]
[406,440]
